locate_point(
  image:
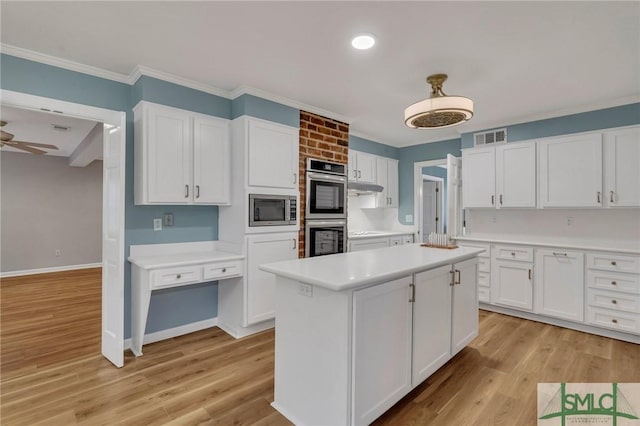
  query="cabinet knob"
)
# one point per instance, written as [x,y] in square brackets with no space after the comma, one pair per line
[615,321]
[614,263]
[614,283]
[224,270]
[178,276]
[513,253]
[615,302]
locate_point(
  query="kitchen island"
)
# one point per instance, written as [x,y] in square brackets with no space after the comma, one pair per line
[355,332]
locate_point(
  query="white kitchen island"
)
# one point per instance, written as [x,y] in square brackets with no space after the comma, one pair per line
[355,332]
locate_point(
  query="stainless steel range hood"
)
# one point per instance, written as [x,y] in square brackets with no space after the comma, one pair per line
[360,188]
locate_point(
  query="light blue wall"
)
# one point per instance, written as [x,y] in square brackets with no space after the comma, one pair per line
[371,147]
[174,307]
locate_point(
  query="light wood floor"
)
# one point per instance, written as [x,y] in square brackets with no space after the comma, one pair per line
[209,378]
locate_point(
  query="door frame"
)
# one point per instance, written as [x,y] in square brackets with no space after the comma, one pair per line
[439,206]
[111,119]
[417,191]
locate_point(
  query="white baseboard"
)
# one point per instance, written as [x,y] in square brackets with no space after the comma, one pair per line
[47,270]
[156,336]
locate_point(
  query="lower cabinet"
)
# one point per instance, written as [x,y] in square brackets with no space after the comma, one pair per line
[511,284]
[559,284]
[368,244]
[428,318]
[260,285]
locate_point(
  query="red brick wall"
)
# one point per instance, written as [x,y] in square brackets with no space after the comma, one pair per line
[323,138]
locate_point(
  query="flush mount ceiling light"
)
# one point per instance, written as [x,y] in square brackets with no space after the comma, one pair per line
[440,110]
[363,41]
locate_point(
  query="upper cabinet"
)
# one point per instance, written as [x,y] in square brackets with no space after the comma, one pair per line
[500,177]
[181,157]
[362,167]
[571,171]
[272,153]
[622,168]
[387,177]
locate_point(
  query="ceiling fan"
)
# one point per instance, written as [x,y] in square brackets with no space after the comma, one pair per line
[7,139]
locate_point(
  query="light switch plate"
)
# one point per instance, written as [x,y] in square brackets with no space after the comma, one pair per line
[168,219]
[157,224]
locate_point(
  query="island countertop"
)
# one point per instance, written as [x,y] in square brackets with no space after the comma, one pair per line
[346,271]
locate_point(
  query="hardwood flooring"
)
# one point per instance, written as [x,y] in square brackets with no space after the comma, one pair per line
[207,377]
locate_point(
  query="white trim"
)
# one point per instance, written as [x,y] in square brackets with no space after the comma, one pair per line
[240,332]
[369,138]
[169,333]
[141,70]
[63,63]
[48,270]
[417,191]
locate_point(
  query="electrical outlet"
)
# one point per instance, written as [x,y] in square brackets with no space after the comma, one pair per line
[157,224]
[58,252]
[305,290]
[408,218]
[168,219]
[569,221]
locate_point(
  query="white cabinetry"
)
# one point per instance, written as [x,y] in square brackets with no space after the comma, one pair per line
[387,177]
[512,277]
[571,171]
[362,167]
[622,167]
[516,175]
[368,244]
[260,285]
[559,284]
[279,145]
[382,348]
[181,157]
[484,270]
[464,304]
[478,178]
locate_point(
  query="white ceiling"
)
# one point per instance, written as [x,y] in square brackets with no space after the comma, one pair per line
[518,61]
[37,126]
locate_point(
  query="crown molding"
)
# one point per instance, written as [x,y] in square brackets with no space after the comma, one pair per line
[368,137]
[63,63]
[141,70]
[247,90]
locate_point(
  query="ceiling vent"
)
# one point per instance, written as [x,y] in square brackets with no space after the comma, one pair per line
[488,138]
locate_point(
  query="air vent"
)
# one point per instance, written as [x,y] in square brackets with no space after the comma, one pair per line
[492,137]
[60,127]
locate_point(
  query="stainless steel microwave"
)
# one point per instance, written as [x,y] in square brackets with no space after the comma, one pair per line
[272,210]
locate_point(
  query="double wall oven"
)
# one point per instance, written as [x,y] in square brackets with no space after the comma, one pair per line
[325,208]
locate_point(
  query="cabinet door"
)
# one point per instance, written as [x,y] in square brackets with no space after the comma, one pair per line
[366,168]
[261,285]
[464,318]
[478,178]
[392,182]
[169,156]
[571,171]
[516,175]
[210,161]
[382,198]
[431,322]
[353,166]
[622,168]
[273,155]
[381,369]
[511,284]
[559,284]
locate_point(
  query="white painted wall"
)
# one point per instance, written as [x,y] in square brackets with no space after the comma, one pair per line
[47,206]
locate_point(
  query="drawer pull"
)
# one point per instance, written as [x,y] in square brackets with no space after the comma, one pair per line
[513,253]
[224,270]
[614,283]
[178,276]
[614,263]
[560,254]
[615,321]
[615,302]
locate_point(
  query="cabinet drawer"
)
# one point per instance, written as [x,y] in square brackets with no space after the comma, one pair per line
[513,253]
[395,241]
[214,271]
[484,264]
[614,300]
[484,279]
[485,247]
[626,322]
[484,294]
[613,281]
[407,239]
[614,262]
[173,277]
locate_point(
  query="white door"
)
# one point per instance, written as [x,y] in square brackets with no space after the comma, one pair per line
[454,195]
[113,176]
[210,161]
[512,284]
[559,284]
[429,209]
[571,171]
[273,155]
[431,322]
[381,370]
[479,180]
[516,175]
[169,156]
[622,168]
[261,286]
[464,317]
[392,182]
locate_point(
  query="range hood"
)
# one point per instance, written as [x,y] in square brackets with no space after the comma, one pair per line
[360,188]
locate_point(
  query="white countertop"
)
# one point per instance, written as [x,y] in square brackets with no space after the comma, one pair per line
[346,271]
[361,235]
[596,245]
[151,256]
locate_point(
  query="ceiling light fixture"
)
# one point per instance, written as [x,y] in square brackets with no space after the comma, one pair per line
[363,41]
[440,110]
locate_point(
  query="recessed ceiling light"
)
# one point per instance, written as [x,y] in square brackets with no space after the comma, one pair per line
[363,41]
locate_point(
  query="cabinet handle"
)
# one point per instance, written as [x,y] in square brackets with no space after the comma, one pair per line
[457,275]
[224,270]
[412,298]
[614,283]
[359,174]
[513,253]
[500,199]
[186,191]
[493,198]
[560,254]
[453,281]
[530,273]
[178,276]
[613,263]
[614,301]
[295,243]
[598,196]
[295,177]
[611,196]
[197,191]
[615,321]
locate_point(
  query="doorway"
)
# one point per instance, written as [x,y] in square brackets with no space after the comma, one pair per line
[113,178]
[432,219]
